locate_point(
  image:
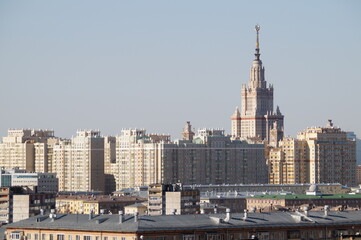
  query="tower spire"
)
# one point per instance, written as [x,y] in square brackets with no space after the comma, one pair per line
[257,54]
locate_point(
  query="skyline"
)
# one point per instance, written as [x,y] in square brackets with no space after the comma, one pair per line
[87,65]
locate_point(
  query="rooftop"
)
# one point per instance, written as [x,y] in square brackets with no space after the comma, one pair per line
[110,223]
[325,196]
[100,198]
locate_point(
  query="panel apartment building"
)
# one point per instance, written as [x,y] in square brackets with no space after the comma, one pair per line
[211,157]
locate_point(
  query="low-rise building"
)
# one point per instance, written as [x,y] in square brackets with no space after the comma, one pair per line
[294,202]
[172,199]
[271,226]
[139,208]
[94,203]
[16,203]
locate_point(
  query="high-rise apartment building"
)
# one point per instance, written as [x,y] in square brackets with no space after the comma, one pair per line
[26,149]
[210,158]
[79,162]
[257,116]
[318,155]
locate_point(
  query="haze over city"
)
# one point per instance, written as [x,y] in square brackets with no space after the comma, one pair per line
[156,64]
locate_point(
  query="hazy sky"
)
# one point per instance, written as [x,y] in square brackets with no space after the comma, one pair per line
[108,65]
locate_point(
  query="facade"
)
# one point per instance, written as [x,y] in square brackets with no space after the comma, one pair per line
[257,116]
[294,202]
[16,203]
[79,162]
[26,149]
[358,174]
[84,204]
[234,203]
[34,182]
[210,158]
[172,199]
[137,208]
[318,155]
[271,226]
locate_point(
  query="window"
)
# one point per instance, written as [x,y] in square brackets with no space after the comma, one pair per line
[36,236]
[15,235]
[77,237]
[87,238]
[60,237]
[43,237]
[28,236]
[51,237]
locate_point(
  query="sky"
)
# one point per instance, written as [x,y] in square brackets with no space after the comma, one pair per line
[109,65]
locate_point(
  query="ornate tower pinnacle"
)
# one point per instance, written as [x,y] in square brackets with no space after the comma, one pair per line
[257,54]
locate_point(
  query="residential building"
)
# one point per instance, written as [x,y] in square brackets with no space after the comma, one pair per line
[17,203]
[318,155]
[79,162]
[358,174]
[272,226]
[257,116]
[84,204]
[210,158]
[26,149]
[136,208]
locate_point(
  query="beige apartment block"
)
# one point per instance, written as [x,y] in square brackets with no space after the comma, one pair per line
[318,155]
[26,149]
[84,204]
[257,115]
[79,162]
[210,158]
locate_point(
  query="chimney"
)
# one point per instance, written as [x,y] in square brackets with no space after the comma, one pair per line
[135,217]
[90,214]
[120,217]
[245,214]
[305,209]
[215,210]
[202,211]
[102,211]
[42,212]
[174,211]
[228,215]
[326,210]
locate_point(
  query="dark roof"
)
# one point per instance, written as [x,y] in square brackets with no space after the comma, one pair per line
[179,222]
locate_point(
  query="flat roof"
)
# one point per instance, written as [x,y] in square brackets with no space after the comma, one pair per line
[110,223]
[304,196]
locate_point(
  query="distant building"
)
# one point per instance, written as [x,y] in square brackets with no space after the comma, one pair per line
[326,188]
[257,116]
[17,203]
[210,158]
[318,155]
[358,174]
[136,208]
[34,182]
[79,162]
[314,199]
[172,199]
[271,226]
[26,149]
[84,204]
